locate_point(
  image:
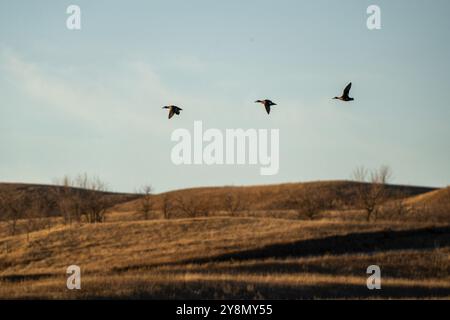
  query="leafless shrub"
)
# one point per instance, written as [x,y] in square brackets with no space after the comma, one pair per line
[35,216]
[83,196]
[69,199]
[13,207]
[95,203]
[192,207]
[146,201]
[167,206]
[309,202]
[341,197]
[371,192]
[398,209]
[234,202]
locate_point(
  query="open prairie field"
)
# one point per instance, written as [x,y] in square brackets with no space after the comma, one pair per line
[224,150]
[263,251]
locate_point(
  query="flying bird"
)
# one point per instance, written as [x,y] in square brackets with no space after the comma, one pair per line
[345,94]
[173,110]
[267,104]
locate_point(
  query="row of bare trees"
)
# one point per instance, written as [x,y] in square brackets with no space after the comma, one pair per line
[18,206]
[369,194]
[146,201]
[309,203]
[14,206]
[85,199]
[82,197]
[186,205]
[172,205]
[371,191]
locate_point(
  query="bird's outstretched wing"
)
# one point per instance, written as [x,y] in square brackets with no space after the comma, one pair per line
[267,108]
[347,90]
[171,112]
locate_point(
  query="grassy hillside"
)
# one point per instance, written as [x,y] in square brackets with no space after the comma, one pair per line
[38,194]
[275,197]
[268,197]
[433,198]
[229,258]
[262,252]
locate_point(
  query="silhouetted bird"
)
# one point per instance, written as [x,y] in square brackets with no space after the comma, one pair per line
[172,110]
[267,104]
[345,96]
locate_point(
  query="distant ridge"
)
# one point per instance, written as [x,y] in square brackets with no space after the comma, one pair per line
[257,197]
[273,197]
[37,192]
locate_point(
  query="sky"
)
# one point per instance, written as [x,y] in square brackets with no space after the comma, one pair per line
[89,100]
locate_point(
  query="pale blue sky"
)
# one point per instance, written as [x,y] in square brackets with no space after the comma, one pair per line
[90,100]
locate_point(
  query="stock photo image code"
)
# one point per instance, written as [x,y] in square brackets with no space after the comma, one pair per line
[224,159]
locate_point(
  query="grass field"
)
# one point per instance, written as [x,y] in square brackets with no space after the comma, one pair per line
[260,254]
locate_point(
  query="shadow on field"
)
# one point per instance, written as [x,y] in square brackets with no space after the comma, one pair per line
[25,277]
[236,290]
[368,242]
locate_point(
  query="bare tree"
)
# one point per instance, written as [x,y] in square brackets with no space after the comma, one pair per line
[83,196]
[191,207]
[68,199]
[397,209]
[95,201]
[24,209]
[309,202]
[13,206]
[35,215]
[167,206]
[234,202]
[146,201]
[371,191]
[401,207]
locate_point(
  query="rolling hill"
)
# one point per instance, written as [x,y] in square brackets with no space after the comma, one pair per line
[232,258]
[46,195]
[265,256]
[274,197]
[433,198]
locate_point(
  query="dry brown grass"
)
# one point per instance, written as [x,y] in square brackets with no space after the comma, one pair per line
[273,197]
[265,252]
[227,258]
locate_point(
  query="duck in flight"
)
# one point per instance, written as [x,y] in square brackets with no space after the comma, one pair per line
[267,104]
[173,110]
[345,94]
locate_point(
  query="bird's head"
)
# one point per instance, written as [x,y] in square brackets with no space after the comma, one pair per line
[166,107]
[258,101]
[336,98]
